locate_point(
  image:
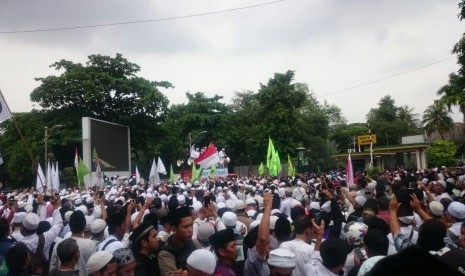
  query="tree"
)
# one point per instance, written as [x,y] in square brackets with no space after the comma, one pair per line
[345,135]
[459,47]
[407,115]
[184,121]
[453,93]
[282,110]
[436,118]
[390,122]
[107,88]
[441,153]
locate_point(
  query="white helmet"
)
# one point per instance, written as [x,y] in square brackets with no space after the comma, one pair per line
[354,232]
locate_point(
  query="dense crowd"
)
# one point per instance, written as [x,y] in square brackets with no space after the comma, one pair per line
[399,223]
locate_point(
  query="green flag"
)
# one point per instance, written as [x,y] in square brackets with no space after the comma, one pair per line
[82,171]
[290,167]
[196,173]
[273,169]
[261,169]
[172,180]
[212,171]
[269,154]
[278,163]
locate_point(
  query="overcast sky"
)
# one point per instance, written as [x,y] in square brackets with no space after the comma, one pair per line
[332,46]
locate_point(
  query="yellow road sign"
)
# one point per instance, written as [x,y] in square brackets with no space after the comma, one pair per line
[366,139]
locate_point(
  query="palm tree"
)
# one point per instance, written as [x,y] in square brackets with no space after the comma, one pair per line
[407,115]
[453,93]
[436,118]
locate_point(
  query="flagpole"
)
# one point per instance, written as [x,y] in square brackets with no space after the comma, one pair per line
[26,146]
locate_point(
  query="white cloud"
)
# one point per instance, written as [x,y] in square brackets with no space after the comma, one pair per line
[332,45]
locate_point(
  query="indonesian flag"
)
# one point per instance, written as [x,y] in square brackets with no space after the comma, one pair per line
[349,171]
[208,158]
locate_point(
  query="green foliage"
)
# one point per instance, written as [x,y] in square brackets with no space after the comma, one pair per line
[344,135]
[452,94]
[436,118]
[441,153]
[390,122]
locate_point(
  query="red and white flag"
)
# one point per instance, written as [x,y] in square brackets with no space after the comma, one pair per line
[208,158]
[349,170]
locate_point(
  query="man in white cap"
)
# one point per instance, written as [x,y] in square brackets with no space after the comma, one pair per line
[31,222]
[439,190]
[101,263]
[242,215]
[201,262]
[456,215]
[281,262]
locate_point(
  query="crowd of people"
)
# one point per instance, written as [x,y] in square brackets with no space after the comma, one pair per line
[396,223]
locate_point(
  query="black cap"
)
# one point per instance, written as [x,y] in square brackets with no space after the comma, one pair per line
[222,237]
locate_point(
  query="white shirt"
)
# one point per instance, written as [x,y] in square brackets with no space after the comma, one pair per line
[302,251]
[112,246]
[286,206]
[86,249]
[32,241]
[316,268]
[441,196]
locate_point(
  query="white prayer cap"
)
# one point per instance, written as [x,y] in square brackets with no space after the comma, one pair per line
[31,221]
[164,198]
[77,201]
[28,208]
[406,219]
[240,204]
[220,205]
[436,208]
[397,178]
[181,199]
[89,220]
[231,205]
[442,182]
[251,213]
[282,258]
[97,226]
[250,201]
[294,203]
[275,211]
[220,199]
[273,220]
[254,224]
[229,219]
[206,229]
[68,215]
[21,204]
[360,200]
[457,210]
[18,217]
[83,209]
[203,260]
[98,260]
[259,217]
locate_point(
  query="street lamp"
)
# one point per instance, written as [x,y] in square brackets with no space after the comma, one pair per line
[46,136]
[195,136]
[300,152]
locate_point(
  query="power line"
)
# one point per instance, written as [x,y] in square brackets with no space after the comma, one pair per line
[385,78]
[140,21]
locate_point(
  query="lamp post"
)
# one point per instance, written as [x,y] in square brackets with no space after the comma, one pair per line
[195,136]
[300,152]
[46,136]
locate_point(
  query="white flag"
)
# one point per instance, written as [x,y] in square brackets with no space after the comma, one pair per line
[160,167]
[154,177]
[56,178]
[40,181]
[49,177]
[98,176]
[137,176]
[4,110]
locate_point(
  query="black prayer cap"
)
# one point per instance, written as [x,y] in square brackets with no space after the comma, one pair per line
[222,237]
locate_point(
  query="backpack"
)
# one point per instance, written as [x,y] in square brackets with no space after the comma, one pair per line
[38,264]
